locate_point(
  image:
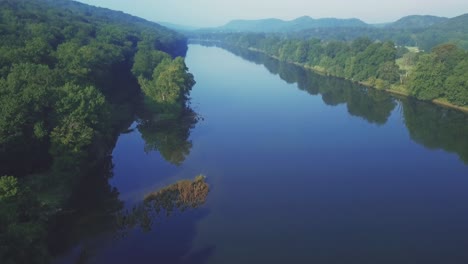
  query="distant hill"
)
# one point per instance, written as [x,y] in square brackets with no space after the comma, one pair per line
[452,30]
[458,23]
[278,25]
[417,21]
[306,22]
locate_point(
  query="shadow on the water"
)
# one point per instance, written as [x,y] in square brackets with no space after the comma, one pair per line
[432,126]
[96,225]
[436,127]
[163,224]
[89,214]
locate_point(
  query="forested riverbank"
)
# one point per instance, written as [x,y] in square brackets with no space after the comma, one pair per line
[438,76]
[447,127]
[70,78]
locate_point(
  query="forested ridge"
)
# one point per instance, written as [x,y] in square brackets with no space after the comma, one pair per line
[425,32]
[440,74]
[69,76]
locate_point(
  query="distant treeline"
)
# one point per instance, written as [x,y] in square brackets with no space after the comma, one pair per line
[425,32]
[440,74]
[426,38]
[68,75]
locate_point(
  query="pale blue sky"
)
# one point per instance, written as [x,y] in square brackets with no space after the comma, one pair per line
[219,12]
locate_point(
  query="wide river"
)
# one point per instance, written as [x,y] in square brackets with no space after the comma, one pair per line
[302,168]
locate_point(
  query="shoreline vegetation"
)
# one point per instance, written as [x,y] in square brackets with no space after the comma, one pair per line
[72,77]
[401,92]
[180,196]
[432,126]
[383,66]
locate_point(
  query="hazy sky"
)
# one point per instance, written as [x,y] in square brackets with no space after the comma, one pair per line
[219,12]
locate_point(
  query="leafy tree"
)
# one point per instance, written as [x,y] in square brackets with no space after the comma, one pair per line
[8,187]
[77,67]
[427,81]
[26,97]
[38,50]
[456,85]
[368,62]
[360,44]
[429,78]
[302,52]
[146,60]
[82,113]
[388,71]
[448,54]
[169,85]
[85,104]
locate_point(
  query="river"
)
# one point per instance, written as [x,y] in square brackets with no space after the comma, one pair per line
[302,168]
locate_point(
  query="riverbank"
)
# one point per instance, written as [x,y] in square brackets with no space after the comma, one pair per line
[400,92]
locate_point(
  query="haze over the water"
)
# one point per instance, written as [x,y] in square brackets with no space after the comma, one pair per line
[210,13]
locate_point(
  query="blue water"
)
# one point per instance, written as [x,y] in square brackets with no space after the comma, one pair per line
[296,180]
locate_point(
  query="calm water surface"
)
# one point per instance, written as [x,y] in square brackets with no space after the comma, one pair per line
[302,169]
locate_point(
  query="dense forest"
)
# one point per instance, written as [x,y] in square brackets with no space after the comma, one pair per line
[70,78]
[440,74]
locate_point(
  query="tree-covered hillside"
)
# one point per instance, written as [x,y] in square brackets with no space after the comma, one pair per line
[278,25]
[453,30]
[51,52]
[425,32]
[69,74]
[416,21]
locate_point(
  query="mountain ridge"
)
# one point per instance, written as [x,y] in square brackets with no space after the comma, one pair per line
[417,21]
[297,24]
[276,25]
